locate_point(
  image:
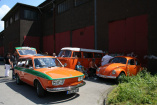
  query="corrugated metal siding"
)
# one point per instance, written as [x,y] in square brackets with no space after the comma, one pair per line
[32,41]
[62,40]
[129,35]
[83,38]
[48,44]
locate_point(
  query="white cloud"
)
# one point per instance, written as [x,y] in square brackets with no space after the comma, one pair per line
[3,11]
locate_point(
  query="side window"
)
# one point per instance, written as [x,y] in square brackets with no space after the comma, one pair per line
[77,54]
[29,63]
[97,55]
[21,62]
[137,62]
[88,55]
[131,62]
[65,53]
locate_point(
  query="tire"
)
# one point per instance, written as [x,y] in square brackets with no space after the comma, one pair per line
[40,90]
[18,81]
[120,77]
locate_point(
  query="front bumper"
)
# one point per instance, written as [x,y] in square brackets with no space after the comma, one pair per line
[65,88]
[105,76]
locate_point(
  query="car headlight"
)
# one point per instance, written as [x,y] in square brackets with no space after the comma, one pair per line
[114,72]
[98,69]
[58,82]
[80,78]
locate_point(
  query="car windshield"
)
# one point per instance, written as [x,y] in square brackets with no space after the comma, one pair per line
[119,60]
[27,52]
[64,53]
[46,62]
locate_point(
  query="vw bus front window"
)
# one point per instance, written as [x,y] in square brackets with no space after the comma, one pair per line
[64,53]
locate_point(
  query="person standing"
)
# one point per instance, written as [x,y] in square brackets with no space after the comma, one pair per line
[105,60]
[14,61]
[92,68]
[8,62]
[54,55]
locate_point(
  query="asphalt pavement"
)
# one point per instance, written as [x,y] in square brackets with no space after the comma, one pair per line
[93,93]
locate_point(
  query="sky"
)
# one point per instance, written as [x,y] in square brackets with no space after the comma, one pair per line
[6,5]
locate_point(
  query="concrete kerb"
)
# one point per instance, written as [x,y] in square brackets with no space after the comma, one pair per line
[104,96]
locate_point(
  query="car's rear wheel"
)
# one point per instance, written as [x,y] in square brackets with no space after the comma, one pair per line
[18,81]
[40,90]
[120,77]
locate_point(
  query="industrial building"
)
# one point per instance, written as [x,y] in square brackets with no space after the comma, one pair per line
[117,26]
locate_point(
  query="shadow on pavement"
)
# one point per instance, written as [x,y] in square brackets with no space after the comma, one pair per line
[50,98]
[4,79]
[101,80]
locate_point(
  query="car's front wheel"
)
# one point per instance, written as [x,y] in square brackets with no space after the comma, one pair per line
[18,81]
[120,77]
[40,90]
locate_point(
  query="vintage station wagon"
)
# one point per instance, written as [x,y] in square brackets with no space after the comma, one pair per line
[118,66]
[72,55]
[46,73]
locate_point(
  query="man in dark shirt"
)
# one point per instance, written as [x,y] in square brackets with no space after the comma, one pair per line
[14,60]
[92,68]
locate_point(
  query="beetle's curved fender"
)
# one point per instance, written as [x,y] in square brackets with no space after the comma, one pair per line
[118,71]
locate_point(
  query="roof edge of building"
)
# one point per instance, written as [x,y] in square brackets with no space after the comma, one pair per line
[14,8]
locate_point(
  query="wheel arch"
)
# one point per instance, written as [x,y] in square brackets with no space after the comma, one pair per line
[35,83]
[121,71]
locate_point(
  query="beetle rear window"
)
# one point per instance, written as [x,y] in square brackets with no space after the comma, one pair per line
[119,60]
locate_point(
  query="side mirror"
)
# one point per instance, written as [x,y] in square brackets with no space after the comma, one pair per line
[65,64]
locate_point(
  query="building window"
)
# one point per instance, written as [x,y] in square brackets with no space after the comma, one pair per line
[79,2]
[11,20]
[28,14]
[65,5]
[6,24]
[49,13]
[16,16]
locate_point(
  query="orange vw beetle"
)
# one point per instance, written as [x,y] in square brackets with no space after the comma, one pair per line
[118,66]
[46,73]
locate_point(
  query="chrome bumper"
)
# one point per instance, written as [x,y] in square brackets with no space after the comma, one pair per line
[65,88]
[104,76]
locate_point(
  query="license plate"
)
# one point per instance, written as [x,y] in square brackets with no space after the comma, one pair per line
[73,91]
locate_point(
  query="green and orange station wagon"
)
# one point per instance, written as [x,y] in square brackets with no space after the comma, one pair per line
[46,73]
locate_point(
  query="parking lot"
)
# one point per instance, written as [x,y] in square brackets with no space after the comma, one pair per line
[92,93]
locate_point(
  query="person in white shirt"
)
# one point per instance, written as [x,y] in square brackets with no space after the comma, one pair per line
[105,59]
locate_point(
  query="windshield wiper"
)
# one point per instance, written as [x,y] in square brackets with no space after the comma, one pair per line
[51,66]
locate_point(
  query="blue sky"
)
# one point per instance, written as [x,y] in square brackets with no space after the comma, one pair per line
[6,5]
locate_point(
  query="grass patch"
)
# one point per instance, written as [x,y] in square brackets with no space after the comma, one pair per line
[135,90]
